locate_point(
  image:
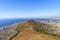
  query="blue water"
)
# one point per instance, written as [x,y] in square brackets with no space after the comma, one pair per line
[5,22]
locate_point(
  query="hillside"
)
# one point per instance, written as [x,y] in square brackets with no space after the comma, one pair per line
[8,31]
[32,30]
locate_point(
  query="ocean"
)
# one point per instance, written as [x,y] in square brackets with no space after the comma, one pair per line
[5,22]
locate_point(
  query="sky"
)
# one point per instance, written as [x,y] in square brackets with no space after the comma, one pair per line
[29,8]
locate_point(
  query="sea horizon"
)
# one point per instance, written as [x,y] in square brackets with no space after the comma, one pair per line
[6,22]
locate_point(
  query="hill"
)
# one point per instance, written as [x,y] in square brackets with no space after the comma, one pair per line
[32,30]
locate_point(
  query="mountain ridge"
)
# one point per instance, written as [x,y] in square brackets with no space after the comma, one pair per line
[28,31]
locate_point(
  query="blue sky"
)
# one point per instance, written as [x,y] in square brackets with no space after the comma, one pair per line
[29,8]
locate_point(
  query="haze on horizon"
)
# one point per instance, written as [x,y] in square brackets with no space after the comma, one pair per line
[29,8]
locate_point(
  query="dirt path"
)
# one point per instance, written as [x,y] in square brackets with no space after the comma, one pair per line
[29,34]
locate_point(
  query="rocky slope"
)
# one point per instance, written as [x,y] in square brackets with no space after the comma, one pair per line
[32,30]
[8,31]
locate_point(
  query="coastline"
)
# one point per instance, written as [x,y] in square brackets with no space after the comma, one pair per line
[12,28]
